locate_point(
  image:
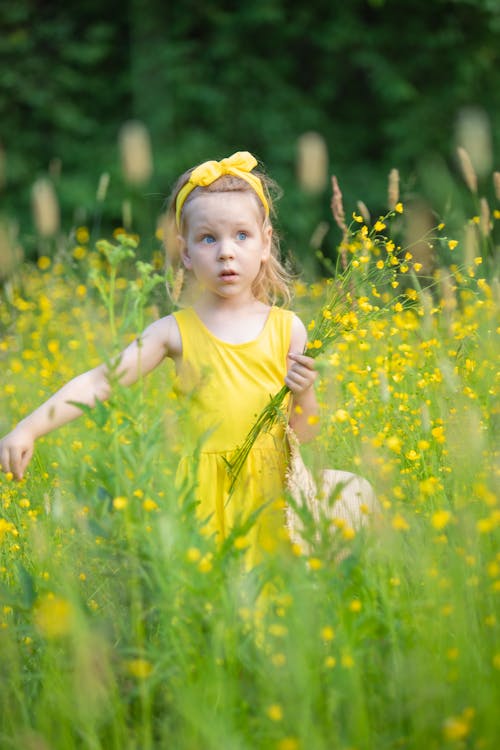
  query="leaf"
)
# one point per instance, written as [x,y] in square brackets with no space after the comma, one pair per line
[99,414]
[28,590]
[97,529]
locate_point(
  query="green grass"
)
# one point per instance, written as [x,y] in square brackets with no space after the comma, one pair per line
[124,627]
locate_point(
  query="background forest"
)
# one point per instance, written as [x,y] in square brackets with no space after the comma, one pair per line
[386,84]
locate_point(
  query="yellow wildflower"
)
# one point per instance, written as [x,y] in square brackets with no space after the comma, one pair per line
[241,542]
[412,455]
[485,525]
[53,616]
[43,262]
[347,661]
[438,434]
[394,443]
[139,668]
[278,660]
[399,523]
[314,563]
[275,712]
[288,743]
[193,554]
[348,533]
[79,252]
[205,564]
[82,235]
[341,415]
[327,633]
[7,527]
[278,630]
[440,519]
[455,728]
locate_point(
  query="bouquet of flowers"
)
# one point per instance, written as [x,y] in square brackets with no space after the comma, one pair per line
[360,287]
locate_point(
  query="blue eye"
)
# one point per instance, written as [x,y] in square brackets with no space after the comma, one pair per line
[208,239]
[242,235]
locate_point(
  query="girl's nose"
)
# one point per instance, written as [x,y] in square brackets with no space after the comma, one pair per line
[226,249]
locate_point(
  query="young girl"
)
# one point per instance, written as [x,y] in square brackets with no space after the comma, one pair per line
[233,349]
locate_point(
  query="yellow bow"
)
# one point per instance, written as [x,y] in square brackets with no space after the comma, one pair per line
[239,164]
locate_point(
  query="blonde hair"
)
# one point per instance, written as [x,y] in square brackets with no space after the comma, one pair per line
[274,281]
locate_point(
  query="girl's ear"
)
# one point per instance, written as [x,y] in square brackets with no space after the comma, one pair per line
[183,252]
[267,236]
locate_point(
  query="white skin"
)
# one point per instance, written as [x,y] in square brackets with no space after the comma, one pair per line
[224,243]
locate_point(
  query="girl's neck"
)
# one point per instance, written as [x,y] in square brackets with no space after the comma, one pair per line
[233,321]
[215,307]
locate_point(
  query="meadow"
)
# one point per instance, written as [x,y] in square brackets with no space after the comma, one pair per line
[124,627]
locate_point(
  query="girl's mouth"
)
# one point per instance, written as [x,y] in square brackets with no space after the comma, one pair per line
[228,274]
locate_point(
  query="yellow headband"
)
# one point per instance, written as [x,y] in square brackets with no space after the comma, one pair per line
[239,164]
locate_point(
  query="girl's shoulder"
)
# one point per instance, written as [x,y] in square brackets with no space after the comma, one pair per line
[298,336]
[291,317]
[290,327]
[165,332]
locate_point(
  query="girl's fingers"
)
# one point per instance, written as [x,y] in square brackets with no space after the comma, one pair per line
[303,372]
[297,381]
[5,460]
[25,459]
[15,462]
[302,359]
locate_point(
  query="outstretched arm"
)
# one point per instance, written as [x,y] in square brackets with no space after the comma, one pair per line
[300,379]
[160,339]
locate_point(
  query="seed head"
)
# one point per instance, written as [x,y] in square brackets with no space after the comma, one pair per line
[312,162]
[484,218]
[393,189]
[468,172]
[496,184]
[473,134]
[135,150]
[45,207]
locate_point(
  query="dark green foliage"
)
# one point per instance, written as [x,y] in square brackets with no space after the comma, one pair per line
[382,81]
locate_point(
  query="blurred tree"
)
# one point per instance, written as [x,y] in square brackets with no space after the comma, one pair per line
[382,81]
[64,86]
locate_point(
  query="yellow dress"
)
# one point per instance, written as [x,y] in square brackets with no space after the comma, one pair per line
[226,387]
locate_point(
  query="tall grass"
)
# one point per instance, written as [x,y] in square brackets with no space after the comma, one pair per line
[124,626]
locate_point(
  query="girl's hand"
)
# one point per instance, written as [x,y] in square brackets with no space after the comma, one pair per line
[301,374]
[16,450]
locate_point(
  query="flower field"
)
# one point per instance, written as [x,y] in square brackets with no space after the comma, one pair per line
[124,627]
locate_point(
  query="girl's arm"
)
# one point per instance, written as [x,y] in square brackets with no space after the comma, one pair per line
[159,340]
[300,379]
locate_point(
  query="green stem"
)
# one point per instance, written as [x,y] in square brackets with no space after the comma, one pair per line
[267,418]
[111,304]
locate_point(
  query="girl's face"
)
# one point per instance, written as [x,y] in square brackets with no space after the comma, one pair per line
[225,242]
